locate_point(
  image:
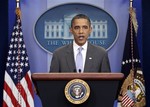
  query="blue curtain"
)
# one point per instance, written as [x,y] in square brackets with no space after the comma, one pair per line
[3,42]
[146,48]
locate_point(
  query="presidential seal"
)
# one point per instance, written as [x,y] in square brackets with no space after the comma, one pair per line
[77,91]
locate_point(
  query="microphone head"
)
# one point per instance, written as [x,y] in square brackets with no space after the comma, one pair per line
[79,70]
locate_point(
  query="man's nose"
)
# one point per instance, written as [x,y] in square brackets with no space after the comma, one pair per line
[80,30]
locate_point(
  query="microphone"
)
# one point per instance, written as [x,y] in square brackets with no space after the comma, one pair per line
[79,70]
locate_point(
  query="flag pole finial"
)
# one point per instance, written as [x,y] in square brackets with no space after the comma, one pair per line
[17,1]
[131,1]
[18,11]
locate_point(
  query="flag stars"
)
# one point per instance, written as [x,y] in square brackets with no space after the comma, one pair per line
[16,39]
[22,58]
[15,76]
[23,52]
[13,58]
[26,64]
[8,58]
[21,70]
[123,63]
[26,58]
[127,61]
[11,46]
[11,70]
[14,27]
[16,64]
[23,46]
[20,39]
[15,70]
[17,58]
[12,40]
[12,64]
[14,52]
[139,77]
[7,64]
[139,61]
[13,34]
[15,45]
[130,61]
[21,34]
[10,52]
[22,64]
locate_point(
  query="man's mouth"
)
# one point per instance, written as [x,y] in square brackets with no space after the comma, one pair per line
[81,37]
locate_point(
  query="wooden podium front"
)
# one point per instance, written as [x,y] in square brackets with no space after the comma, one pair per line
[103,88]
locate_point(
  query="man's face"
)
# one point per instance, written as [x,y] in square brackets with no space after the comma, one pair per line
[80,30]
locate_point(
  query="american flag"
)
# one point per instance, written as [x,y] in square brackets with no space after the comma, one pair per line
[128,99]
[17,90]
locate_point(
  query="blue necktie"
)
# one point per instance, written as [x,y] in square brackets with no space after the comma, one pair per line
[79,60]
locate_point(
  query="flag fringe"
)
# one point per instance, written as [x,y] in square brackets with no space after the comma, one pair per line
[133,18]
[18,12]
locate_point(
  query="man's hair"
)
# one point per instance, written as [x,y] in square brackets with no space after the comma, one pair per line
[80,16]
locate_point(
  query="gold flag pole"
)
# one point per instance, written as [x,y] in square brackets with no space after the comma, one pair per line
[132,29]
[18,14]
[131,33]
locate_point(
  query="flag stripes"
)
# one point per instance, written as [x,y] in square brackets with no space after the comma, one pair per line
[127,101]
[10,85]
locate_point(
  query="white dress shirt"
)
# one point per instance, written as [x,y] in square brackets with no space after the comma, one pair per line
[84,50]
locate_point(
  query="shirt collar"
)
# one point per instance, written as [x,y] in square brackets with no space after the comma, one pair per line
[76,46]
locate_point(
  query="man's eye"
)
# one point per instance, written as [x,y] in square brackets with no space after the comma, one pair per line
[76,27]
[85,27]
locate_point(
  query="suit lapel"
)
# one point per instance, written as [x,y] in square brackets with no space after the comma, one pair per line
[89,59]
[70,58]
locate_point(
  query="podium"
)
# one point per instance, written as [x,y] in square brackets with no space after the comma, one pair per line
[103,88]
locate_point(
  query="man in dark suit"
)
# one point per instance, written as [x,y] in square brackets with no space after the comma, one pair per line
[92,58]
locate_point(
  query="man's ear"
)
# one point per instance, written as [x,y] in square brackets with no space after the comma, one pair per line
[91,29]
[70,29]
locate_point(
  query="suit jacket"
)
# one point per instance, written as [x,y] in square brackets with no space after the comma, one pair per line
[96,59]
